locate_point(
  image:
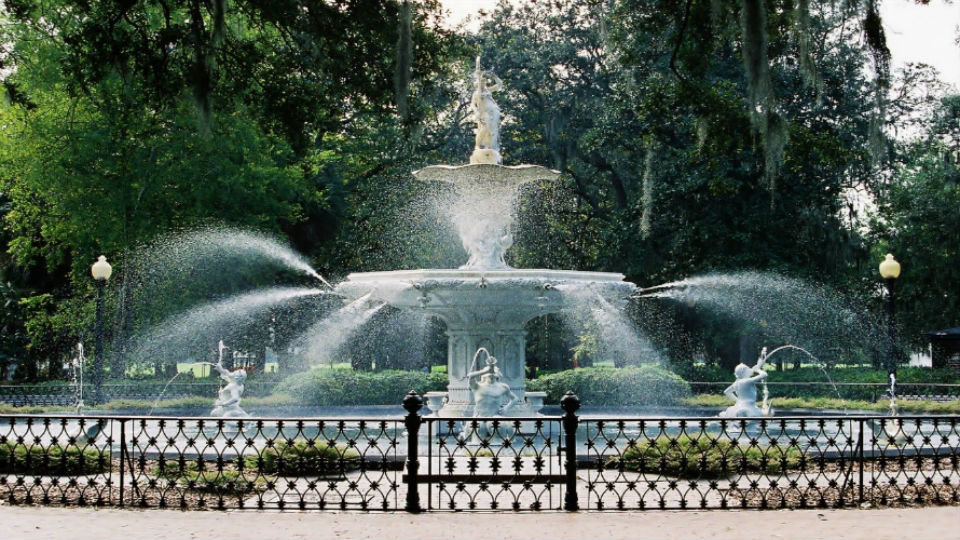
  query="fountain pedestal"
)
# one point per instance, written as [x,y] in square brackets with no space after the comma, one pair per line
[484,309]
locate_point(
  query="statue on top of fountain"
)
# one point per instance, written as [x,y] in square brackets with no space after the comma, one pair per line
[486,114]
[744,390]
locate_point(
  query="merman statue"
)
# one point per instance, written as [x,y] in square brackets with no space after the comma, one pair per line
[491,397]
[744,390]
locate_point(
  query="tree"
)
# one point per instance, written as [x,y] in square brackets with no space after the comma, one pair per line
[128,120]
[665,173]
[917,220]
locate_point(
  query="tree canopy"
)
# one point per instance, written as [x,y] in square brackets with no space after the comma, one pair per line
[692,137]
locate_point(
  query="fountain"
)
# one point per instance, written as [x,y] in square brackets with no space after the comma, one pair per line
[486,303]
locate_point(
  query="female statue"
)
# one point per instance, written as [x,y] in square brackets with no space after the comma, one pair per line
[486,114]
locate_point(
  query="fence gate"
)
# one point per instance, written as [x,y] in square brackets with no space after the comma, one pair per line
[475,464]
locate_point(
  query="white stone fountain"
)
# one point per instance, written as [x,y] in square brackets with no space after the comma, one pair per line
[486,303]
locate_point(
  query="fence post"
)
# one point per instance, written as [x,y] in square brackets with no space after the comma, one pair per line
[570,403]
[413,403]
[123,455]
[860,458]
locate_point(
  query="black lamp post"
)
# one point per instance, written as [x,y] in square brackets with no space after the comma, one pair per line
[890,271]
[101,273]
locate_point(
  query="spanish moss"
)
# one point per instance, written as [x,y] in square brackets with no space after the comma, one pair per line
[401,76]
[770,125]
[803,35]
[648,188]
[877,43]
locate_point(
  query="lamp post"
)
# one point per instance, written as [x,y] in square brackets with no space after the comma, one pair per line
[101,271]
[890,271]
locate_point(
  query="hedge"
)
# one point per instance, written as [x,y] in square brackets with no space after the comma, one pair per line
[304,458]
[705,457]
[911,381]
[327,387]
[601,386]
[53,460]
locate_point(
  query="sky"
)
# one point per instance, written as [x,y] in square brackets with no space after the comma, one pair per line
[915,33]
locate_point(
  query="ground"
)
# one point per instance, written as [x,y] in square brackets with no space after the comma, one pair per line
[79,523]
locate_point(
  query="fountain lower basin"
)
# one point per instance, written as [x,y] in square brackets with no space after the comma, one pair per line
[487,308]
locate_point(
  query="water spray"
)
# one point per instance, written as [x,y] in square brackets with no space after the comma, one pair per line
[659,290]
[77,368]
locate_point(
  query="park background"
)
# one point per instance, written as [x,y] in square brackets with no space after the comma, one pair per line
[694,138]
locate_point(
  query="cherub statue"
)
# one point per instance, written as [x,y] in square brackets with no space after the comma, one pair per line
[744,389]
[228,402]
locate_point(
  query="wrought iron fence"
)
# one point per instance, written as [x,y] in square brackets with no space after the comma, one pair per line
[422,463]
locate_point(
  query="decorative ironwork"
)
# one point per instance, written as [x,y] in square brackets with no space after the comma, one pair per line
[495,463]
[417,463]
[799,462]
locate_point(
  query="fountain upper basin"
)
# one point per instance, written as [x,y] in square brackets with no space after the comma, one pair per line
[497,294]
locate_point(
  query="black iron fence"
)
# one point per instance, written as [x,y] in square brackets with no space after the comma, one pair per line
[419,463]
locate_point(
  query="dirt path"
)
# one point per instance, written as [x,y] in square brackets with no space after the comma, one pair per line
[81,523]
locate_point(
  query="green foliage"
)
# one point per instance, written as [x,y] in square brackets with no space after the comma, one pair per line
[630,386]
[53,460]
[916,375]
[278,399]
[881,406]
[304,457]
[207,477]
[667,118]
[349,387]
[126,122]
[705,456]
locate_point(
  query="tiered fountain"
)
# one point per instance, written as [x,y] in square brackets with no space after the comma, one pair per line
[486,303]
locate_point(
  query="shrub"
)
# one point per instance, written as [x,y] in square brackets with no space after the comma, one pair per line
[193,476]
[882,405]
[705,457]
[53,460]
[304,458]
[645,385]
[912,380]
[349,387]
